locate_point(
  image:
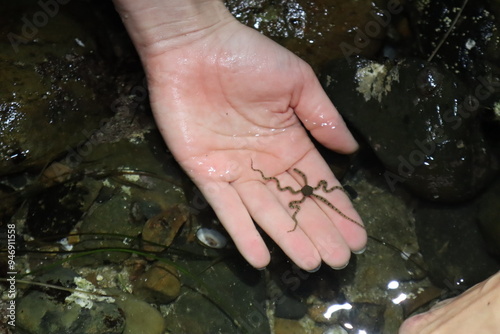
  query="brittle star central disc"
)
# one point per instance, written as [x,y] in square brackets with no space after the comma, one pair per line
[306,191]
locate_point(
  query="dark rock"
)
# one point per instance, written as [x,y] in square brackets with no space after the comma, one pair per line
[420,121]
[98,226]
[320,30]
[489,218]
[452,245]
[53,89]
[473,39]
[288,307]
[54,213]
[217,301]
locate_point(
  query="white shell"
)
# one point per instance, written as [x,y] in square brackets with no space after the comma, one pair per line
[211,238]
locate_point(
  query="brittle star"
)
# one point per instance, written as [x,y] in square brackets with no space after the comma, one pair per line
[306,191]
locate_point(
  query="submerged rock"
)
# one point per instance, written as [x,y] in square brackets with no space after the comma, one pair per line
[159,231]
[159,284]
[452,245]
[421,122]
[53,311]
[141,318]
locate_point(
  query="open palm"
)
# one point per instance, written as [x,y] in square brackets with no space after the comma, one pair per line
[235,97]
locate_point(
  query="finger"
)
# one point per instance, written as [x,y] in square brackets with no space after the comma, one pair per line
[312,221]
[325,236]
[337,205]
[320,117]
[275,220]
[233,215]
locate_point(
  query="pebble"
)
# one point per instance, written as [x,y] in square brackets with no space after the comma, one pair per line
[159,284]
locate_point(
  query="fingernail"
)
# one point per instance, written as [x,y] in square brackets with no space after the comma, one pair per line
[314,270]
[261,269]
[361,251]
[341,267]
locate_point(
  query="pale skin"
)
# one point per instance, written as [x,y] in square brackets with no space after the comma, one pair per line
[475,311]
[225,97]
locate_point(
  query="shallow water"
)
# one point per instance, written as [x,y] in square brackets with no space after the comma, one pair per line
[117,211]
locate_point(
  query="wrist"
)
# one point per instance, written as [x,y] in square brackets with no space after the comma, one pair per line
[156,26]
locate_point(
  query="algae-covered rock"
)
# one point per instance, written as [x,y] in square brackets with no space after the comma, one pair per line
[141,318]
[53,86]
[420,120]
[159,284]
[54,311]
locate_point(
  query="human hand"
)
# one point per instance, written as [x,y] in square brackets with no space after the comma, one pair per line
[474,311]
[230,96]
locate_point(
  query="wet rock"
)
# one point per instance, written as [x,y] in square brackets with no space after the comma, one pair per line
[110,217]
[54,213]
[474,38]
[290,308]
[159,284]
[421,122]
[472,48]
[141,318]
[53,88]
[287,326]
[489,218]
[389,257]
[368,316]
[452,245]
[38,313]
[133,191]
[320,314]
[218,297]
[54,311]
[162,228]
[322,29]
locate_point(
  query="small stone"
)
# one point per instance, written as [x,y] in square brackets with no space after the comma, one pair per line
[159,284]
[140,317]
[290,308]
[162,228]
[317,313]
[287,326]
[41,313]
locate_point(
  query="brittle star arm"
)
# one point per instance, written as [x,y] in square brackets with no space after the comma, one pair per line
[295,205]
[334,208]
[272,178]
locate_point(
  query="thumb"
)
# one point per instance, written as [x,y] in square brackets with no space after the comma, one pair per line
[320,117]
